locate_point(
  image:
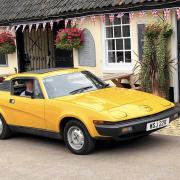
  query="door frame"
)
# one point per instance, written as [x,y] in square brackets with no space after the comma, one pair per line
[56,28]
[177,60]
[20,50]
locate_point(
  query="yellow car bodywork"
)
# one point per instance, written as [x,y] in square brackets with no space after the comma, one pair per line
[108,105]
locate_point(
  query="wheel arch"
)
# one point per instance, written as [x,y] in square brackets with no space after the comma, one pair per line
[85,120]
[65,120]
[2,113]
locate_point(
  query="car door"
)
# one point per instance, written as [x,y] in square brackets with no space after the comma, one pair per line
[27,111]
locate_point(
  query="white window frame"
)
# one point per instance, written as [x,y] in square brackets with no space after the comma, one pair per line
[5,65]
[115,67]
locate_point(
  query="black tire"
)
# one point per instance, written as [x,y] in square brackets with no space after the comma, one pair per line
[6,132]
[89,142]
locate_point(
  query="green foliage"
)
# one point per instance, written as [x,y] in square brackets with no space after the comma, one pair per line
[7,43]
[7,48]
[156,62]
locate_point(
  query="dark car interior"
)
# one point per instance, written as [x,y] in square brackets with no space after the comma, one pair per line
[1,79]
[18,86]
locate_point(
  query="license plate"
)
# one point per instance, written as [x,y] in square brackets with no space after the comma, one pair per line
[157,124]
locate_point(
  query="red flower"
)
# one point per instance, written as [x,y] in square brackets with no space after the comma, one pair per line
[69,38]
[7,43]
[6,37]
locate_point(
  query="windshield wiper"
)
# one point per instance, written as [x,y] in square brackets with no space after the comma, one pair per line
[105,86]
[80,90]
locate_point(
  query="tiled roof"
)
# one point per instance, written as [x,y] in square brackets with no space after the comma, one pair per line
[19,10]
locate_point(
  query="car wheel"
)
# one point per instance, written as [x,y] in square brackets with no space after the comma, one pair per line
[77,138]
[4,129]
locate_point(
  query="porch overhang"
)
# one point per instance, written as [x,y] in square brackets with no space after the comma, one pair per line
[115,7]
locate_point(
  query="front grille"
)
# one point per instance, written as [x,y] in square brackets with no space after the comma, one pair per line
[133,135]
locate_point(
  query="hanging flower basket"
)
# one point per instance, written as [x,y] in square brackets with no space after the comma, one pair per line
[69,38]
[7,43]
[153,30]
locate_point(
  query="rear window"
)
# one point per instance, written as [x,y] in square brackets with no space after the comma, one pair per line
[5,86]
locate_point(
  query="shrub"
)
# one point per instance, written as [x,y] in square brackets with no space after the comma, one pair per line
[7,43]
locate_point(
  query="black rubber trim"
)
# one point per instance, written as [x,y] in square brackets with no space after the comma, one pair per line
[139,124]
[35,131]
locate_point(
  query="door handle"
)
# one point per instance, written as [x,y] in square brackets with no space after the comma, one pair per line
[12,101]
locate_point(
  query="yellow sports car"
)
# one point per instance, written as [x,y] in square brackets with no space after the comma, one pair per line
[75,105]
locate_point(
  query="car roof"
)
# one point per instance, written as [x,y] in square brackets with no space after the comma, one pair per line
[45,72]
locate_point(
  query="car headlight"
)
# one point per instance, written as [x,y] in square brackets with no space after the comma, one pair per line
[117,114]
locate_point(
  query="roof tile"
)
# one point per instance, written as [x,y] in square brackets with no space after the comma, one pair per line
[18,10]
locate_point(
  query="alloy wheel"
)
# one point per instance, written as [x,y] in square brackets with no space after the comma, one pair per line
[1,126]
[75,137]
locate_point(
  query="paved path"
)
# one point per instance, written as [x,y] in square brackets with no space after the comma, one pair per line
[172,129]
[34,158]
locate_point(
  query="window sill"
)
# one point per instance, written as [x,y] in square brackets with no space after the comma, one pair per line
[118,68]
[4,65]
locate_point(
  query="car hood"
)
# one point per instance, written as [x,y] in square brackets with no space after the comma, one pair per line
[120,102]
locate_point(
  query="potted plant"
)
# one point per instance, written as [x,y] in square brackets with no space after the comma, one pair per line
[156,63]
[69,38]
[7,43]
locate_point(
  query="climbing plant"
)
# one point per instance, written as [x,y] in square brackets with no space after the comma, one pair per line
[156,62]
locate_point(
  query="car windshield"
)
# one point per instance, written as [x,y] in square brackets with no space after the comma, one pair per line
[73,83]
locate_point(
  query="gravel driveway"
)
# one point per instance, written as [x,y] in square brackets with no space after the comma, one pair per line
[36,158]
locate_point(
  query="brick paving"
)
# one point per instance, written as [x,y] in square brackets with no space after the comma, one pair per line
[172,129]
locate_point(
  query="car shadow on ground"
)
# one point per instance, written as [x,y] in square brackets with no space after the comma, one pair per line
[152,141]
[145,143]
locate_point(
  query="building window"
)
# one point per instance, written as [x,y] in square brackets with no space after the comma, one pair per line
[3,60]
[141,31]
[118,42]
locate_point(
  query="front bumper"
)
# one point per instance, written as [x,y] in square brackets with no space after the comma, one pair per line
[138,125]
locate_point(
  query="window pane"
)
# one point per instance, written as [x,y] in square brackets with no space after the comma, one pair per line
[109,32]
[126,31]
[128,56]
[119,44]
[117,31]
[111,57]
[118,40]
[2,59]
[37,90]
[127,44]
[107,22]
[125,19]
[111,44]
[120,57]
[117,21]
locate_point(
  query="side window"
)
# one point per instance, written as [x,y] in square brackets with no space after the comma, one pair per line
[3,60]
[26,87]
[18,86]
[37,90]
